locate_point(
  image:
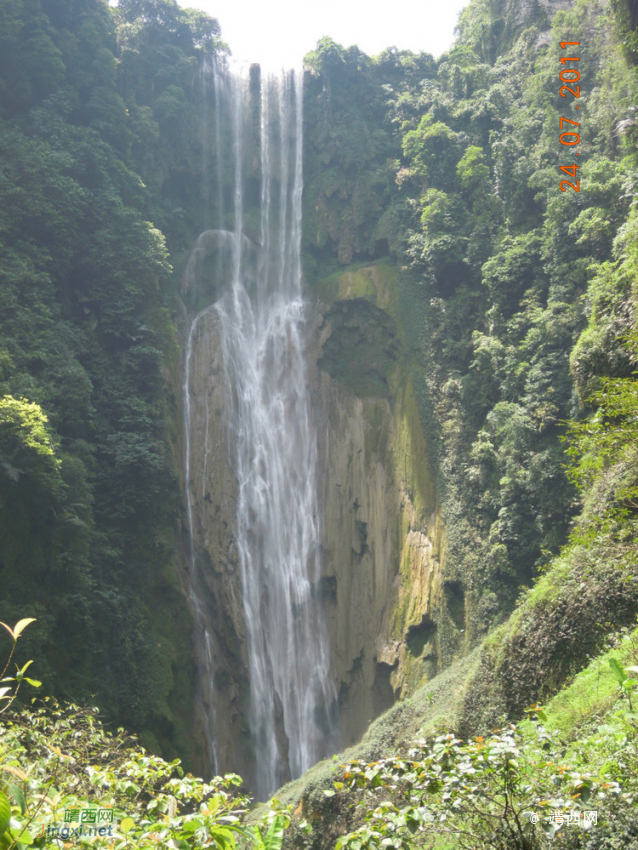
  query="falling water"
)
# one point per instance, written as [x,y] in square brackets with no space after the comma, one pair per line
[203,633]
[262,326]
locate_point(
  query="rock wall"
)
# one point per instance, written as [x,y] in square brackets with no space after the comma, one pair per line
[213,584]
[382,532]
[382,535]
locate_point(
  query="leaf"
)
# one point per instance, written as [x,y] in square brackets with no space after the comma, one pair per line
[33,682]
[3,691]
[16,793]
[617,670]
[9,629]
[192,825]
[223,837]
[244,832]
[275,835]
[21,625]
[126,825]
[5,812]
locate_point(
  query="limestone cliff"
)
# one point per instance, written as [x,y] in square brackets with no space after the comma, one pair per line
[383,541]
[213,585]
[383,536]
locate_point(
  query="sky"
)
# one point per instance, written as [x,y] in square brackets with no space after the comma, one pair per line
[278,33]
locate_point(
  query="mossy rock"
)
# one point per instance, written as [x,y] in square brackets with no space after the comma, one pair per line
[362,349]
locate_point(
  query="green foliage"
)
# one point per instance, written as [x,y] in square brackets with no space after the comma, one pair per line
[270,836]
[431,150]
[349,161]
[517,301]
[86,486]
[25,445]
[501,259]
[450,166]
[9,692]
[609,436]
[61,758]
[625,682]
[492,792]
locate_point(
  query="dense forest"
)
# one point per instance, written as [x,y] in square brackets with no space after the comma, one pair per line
[510,316]
[100,155]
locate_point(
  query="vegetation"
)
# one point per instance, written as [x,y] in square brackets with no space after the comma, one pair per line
[64,777]
[512,316]
[94,103]
[516,787]
[516,299]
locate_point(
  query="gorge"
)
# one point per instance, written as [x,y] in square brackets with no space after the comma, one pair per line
[298,509]
[317,397]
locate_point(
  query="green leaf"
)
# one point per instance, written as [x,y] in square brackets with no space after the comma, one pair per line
[126,825]
[5,812]
[617,670]
[275,835]
[15,792]
[33,682]
[192,825]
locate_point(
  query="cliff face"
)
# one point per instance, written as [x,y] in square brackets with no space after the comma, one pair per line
[383,537]
[212,574]
[381,532]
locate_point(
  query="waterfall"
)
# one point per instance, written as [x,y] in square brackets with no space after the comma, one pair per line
[262,328]
[195,586]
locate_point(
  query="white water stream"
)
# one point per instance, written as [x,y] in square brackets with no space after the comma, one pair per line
[262,325]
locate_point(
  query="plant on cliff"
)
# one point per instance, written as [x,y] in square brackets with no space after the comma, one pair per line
[605,445]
